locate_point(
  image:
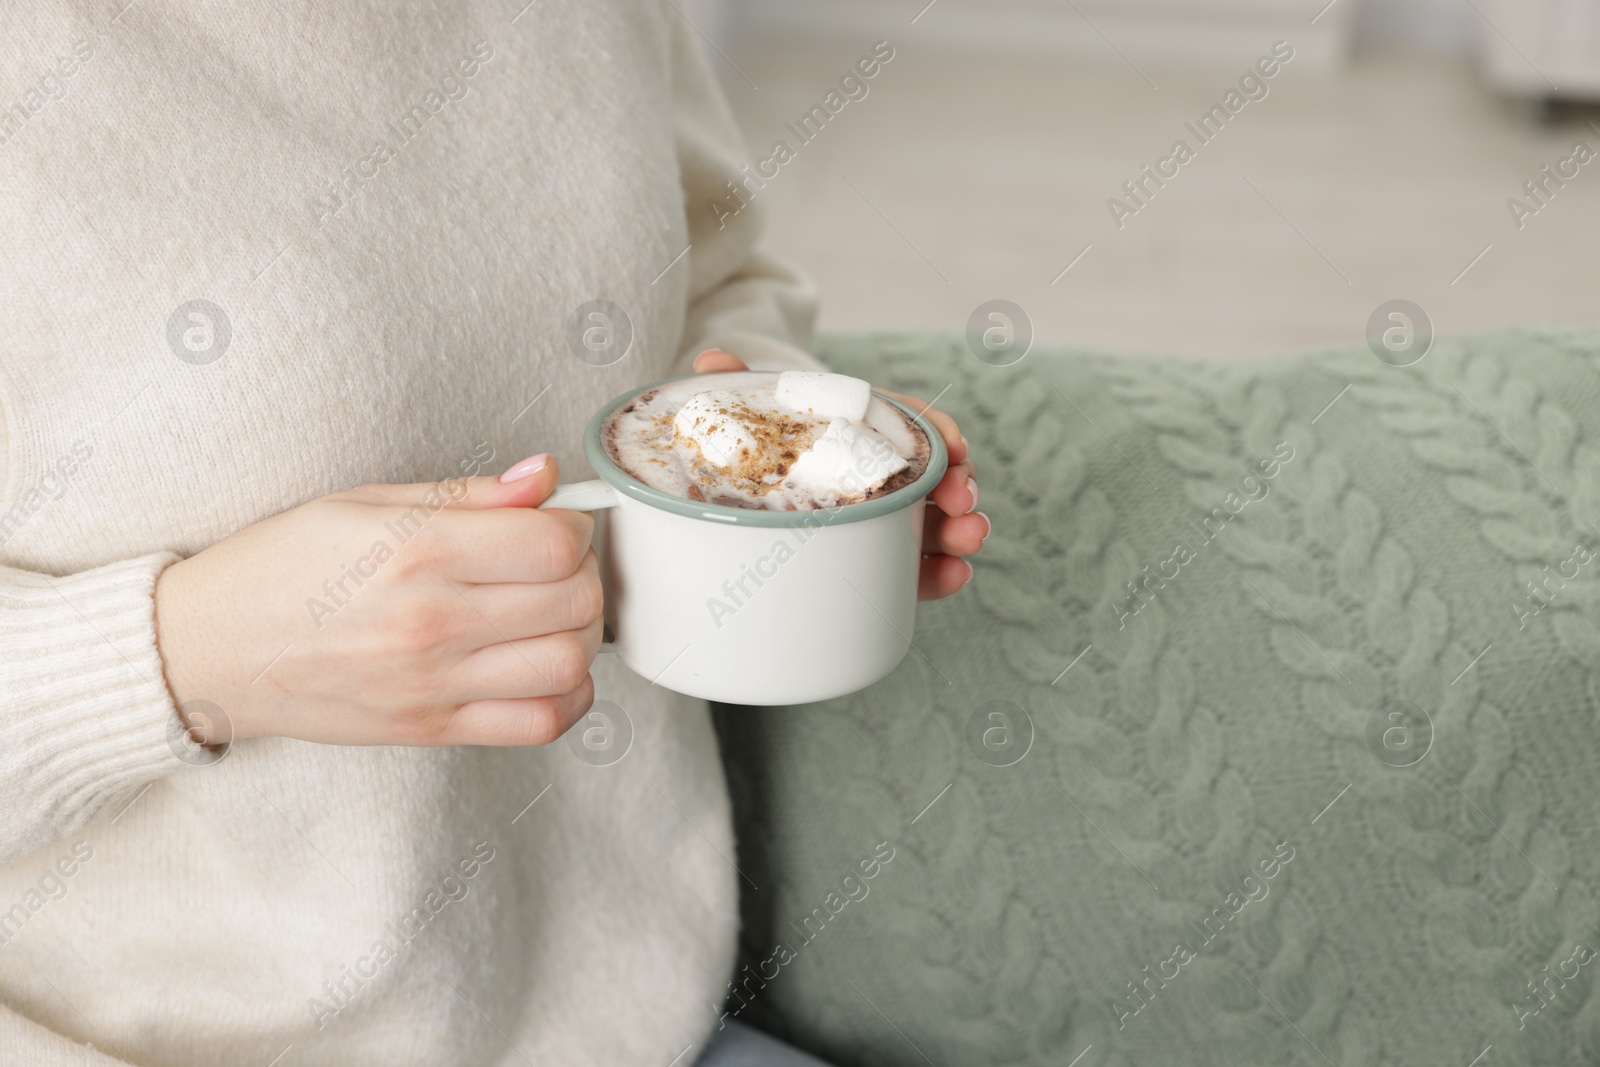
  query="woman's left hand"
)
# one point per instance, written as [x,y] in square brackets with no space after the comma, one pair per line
[952,528]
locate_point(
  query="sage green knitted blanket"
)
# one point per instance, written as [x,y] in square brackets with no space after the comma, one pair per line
[1266,734]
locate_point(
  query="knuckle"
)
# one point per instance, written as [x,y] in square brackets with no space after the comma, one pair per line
[454,491]
[422,625]
[563,549]
[582,698]
[411,561]
[569,663]
[420,722]
[588,597]
[420,549]
[550,718]
[542,724]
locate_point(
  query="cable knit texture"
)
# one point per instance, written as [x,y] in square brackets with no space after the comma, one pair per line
[395,213]
[1147,763]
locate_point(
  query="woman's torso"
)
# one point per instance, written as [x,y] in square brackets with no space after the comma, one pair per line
[396,271]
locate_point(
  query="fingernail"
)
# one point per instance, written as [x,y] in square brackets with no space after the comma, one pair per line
[972,487]
[529,466]
[966,449]
[970,571]
[988,527]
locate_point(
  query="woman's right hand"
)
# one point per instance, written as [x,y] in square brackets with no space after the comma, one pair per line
[452,613]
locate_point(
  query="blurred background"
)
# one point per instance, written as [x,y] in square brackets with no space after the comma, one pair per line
[1383,162]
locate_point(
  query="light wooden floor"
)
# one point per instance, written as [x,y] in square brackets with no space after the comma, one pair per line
[962,178]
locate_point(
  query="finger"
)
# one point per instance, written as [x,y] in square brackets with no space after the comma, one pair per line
[530,667]
[531,721]
[500,545]
[954,535]
[957,491]
[954,443]
[509,611]
[523,485]
[942,575]
[715,359]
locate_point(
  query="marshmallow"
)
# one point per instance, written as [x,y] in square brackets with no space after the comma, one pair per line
[722,438]
[845,462]
[830,396]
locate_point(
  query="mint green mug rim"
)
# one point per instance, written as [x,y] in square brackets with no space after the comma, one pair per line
[606,470]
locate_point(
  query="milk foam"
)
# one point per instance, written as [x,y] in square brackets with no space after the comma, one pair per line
[763,440]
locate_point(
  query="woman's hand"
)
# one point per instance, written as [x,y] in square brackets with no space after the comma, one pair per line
[952,528]
[446,614]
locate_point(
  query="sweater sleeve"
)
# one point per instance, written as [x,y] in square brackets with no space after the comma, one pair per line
[740,300]
[86,718]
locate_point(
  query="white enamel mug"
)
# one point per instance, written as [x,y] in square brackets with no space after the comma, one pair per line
[749,606]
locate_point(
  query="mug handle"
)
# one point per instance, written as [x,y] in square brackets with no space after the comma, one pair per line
[593,495]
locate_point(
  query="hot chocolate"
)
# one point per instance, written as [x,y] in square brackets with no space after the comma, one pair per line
[797,440]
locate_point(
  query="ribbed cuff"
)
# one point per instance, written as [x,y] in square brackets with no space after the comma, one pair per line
[85,713]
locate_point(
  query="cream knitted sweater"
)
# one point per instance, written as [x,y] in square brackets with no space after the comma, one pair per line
[392,212]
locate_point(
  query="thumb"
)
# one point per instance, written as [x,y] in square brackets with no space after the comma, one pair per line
[715,359]
[523,485]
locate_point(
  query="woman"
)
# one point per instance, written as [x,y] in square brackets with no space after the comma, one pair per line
[261,255]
